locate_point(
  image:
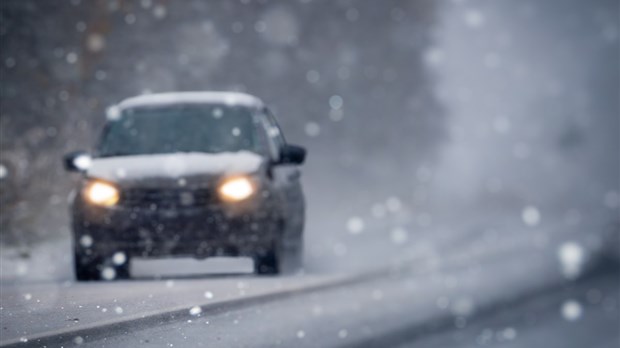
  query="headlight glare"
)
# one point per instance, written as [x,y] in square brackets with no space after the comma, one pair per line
[101,193]
[236,189]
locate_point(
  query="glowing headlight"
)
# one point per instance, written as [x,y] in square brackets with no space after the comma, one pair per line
[236,189]
[101,193]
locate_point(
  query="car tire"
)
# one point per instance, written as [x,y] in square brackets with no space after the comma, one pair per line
[267,263]
[86,267]
[89,268]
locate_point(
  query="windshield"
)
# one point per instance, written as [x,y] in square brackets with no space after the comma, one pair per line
[204,128]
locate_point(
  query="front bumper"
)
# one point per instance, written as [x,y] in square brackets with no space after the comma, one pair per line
[214,230]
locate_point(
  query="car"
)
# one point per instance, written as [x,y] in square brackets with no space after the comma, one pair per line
[188,174]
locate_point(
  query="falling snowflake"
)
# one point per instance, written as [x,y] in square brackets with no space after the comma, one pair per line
[159,11]
[355,225]
[393,204]
[474,18]
[336,102]
[108,273]
[313,76]
[530,216]
[312,129]
[217,113]
[119,258]
[72,57]
[572,257]
[398,235]
[571,310]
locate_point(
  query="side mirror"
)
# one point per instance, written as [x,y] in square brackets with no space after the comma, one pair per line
[78,161]
[292,154]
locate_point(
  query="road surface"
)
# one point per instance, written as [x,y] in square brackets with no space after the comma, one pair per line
[460,292]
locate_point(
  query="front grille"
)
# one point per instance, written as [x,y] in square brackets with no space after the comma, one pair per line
[157,198]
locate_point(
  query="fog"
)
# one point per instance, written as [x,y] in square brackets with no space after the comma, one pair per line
[430,111]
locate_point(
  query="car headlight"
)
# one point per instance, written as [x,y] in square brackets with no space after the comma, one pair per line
[101,193]
[236,189]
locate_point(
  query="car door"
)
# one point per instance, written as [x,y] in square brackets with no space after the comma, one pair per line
[286,176]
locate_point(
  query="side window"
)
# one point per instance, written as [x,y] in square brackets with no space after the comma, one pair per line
[275,133]
[271,134]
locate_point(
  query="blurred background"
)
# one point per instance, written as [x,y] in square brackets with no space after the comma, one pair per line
[421,117]
[473,145]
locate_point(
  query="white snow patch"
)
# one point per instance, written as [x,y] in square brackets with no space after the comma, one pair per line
[113,113]
[3,172]
[195,311]
[208,295]
[176,165]
[159,99]
[82,162]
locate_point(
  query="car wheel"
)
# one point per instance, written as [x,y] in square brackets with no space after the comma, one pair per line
[266,263]
[86,267]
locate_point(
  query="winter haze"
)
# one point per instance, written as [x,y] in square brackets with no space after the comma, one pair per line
[433,128]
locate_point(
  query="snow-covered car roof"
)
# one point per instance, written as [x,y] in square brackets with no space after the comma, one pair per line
[156,99]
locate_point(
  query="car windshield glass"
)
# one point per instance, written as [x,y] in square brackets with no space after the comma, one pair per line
[156,130]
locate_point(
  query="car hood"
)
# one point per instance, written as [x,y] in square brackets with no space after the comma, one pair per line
[174,166]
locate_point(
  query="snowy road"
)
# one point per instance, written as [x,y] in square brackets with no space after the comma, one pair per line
[382,306]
